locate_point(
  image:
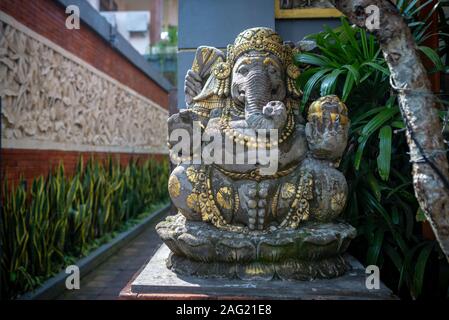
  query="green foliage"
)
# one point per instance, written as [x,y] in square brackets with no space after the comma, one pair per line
[381,202]
[443,27]
[63,216]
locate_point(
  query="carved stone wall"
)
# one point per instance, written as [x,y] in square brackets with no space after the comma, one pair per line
[53,100]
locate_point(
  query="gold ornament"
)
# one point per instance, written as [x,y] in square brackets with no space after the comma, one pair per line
[257,39]
[293,71]
[338,201]
[253,141]
[192,174]
[222,72]
[192,201]
[274,204]
[292,74]
[255,174]
[299,209]
[236,202]
[174,187]
[224,198]
[287,190]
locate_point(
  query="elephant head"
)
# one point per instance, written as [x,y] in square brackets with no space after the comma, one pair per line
[259,75]
[258,85]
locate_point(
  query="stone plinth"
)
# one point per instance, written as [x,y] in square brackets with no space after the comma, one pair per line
[312,251]
[156,281]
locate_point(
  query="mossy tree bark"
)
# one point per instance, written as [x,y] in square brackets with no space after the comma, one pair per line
[418,109]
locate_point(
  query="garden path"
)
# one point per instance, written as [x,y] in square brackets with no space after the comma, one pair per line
[106,282]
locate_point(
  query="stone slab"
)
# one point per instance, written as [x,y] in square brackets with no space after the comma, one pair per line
[156,281]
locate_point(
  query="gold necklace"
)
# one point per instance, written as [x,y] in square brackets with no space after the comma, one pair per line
[255,174]
[251,141]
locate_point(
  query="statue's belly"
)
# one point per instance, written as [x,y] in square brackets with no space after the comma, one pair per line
[253,200]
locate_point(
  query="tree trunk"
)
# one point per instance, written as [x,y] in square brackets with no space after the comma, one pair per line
[417,105]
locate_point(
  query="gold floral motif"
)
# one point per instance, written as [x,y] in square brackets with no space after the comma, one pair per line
[174,187]
[224,198]
[338,201]
[195,66]
[205,198]
[192,201]
[299,210]
[222,70]
[293,71]
[192,175]
[288,190]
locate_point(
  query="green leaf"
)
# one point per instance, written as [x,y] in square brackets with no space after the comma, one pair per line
[349,83]
[329,82]
[377,67]
[394,256]
[375,247]
[421,263]
[313,59]
[374,186]
[380,119]
[354,71]
[311,83]
[384,158]
[359,153]
[420,215]
[433,56]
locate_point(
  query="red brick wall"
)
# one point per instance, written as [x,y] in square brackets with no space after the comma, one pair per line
[48,19]
[17,163]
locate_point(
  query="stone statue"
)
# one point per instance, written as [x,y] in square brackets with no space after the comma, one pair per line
[235,220]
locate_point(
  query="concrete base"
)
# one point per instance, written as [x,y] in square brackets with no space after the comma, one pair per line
[156,281]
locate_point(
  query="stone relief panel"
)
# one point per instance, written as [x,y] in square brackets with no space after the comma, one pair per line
[50,96]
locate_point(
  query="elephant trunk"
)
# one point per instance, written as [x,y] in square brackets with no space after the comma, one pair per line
[257,95]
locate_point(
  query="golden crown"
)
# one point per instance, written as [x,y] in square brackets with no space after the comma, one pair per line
[259,39]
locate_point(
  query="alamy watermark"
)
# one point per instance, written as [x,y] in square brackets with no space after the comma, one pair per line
[372,281]
[72,282]
[73,20]
[372,21]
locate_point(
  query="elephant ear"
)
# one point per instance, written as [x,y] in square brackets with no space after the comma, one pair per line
[205,60]
[207,64]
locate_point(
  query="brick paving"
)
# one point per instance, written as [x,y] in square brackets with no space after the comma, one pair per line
[106,282]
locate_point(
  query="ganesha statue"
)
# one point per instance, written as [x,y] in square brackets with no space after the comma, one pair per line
[267,205]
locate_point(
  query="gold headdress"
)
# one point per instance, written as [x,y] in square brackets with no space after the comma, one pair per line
[257,39]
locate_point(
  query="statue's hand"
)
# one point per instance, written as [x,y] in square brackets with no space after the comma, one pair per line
[192,86]
[276,112]
[327,137]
